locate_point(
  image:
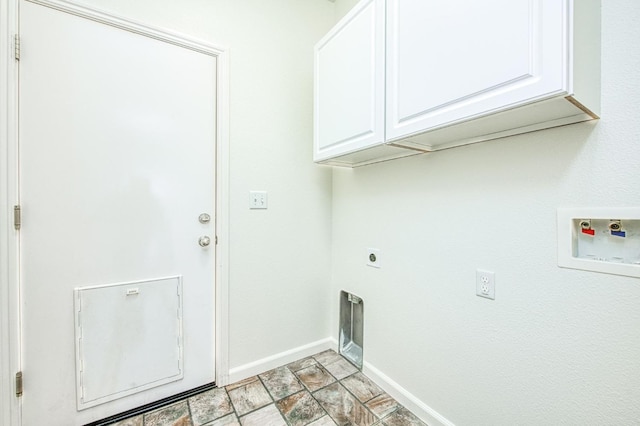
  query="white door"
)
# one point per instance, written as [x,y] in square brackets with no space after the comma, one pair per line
[117,163]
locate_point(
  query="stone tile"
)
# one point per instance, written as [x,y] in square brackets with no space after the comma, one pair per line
[324,421]
[303,363]
[281,383]
[314,377]
[382,405]
[241,383]
[230,420]
[354,400]
[402,417]
[209,405]
[361,387]
[172,415]
[341,368]
[343,407]
[267,416]
[249,397]
[327,357]
[134,421]
[300,409]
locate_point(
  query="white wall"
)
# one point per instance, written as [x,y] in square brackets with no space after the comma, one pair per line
[343,6]
[557,346]
[279,257]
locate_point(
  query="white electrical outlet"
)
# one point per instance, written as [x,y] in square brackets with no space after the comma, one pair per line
[486,284]
[373,257]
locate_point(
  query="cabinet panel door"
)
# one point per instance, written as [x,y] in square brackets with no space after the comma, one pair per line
[349,83]
[461,59]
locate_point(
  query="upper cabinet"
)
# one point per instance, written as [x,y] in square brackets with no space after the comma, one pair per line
[349,88]
[454,73]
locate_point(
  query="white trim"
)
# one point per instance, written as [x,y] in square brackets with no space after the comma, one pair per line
[222,222]
[405,398]
[265,364]
[130,25]
[400,394]
[9,290]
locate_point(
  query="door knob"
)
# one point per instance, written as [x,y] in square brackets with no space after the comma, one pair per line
[204,241]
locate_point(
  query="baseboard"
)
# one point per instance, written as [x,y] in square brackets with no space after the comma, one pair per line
[265,364]
[404,397]
[400,394]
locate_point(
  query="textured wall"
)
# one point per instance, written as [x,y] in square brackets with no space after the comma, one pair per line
[344,6]
[557,346]
[278,270]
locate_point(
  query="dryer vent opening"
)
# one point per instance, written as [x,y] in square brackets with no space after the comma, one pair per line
[351,327]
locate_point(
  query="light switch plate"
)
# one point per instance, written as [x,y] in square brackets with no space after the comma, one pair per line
[257,199]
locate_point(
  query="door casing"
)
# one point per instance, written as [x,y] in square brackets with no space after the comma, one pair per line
[10,316]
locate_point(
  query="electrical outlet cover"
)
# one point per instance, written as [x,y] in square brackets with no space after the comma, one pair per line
[486,284]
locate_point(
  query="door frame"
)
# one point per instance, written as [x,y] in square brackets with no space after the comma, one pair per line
[10,302]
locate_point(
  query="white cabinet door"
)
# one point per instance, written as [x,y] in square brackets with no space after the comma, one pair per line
[456,60]
[349,83]
[455,72]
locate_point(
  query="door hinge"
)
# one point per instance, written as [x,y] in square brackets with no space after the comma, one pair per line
[16,46]
[216,239]
[17,217]
[19,384]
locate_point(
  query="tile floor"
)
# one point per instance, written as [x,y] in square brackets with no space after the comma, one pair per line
[321,390]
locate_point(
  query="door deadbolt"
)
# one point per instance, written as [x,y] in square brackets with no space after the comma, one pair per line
[204,218]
